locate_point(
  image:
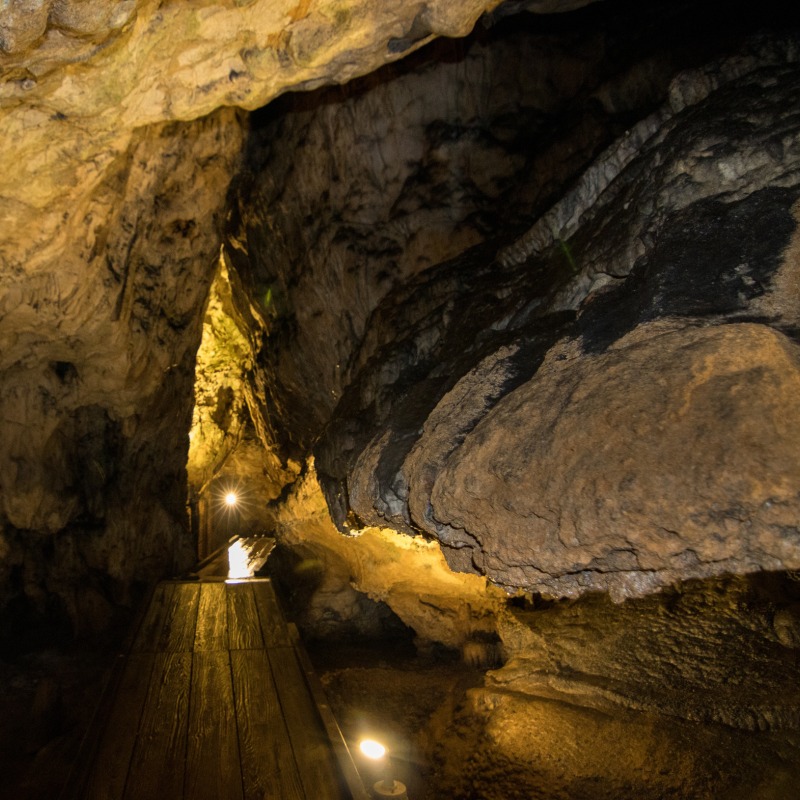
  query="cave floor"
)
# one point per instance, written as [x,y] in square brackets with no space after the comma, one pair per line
[407,699]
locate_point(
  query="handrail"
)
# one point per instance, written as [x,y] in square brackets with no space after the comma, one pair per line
[209,558]
[347,766]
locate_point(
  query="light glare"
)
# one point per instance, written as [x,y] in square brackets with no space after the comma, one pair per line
[238,561]
[372,749]
[231,499]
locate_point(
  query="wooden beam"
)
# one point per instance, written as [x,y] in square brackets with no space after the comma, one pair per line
[212,618]
[309,742]
[159,756]
[153,623]
[269,769]
[115,750]
[180,619]
[244,628]
[213,769]
[273,625]
[339,744]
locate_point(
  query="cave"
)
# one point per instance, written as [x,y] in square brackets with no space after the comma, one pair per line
[485,312]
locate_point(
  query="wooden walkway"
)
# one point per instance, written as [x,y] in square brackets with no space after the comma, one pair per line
[214,701]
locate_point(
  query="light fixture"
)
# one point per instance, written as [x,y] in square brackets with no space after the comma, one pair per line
[231,499]
[387,786]
[372,749]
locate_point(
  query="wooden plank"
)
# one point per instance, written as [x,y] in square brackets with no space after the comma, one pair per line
[213,769]
[113,757]
[159,757]
[273,625]
[244,629]
[212,618]
[81,772]
[309,741]
[269,770]
[177,635]
[150,630]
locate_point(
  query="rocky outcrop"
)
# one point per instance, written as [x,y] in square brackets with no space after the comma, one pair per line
[352,193]
[338,585]
[687,693]
[616,411]
[668,456]
[98,368]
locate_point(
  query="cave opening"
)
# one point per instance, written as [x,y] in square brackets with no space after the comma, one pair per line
[487,313]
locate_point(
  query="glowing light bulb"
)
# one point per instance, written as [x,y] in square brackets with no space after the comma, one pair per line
[372,749]
[231,499]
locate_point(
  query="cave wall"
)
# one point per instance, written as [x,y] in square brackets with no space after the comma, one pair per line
[677,443]
[604,402]
[408,247]
[98,372]
[118,145]
[351,192]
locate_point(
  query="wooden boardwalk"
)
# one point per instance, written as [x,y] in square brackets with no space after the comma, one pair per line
[214,701]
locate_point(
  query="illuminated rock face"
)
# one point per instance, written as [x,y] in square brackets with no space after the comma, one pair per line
[616,409]
[605,401]
[98,366]
[610,476]
[334,582]
[110,197]
[448,373]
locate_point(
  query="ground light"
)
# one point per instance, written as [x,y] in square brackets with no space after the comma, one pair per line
[387,786]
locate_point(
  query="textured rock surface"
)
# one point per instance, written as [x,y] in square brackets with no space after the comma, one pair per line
[583,413]
[90,76]
[108,213]
[691,692]
[354,191]
[671,454]
[332,574]
[708,651]
[607,403]
[606,700]
[97,363]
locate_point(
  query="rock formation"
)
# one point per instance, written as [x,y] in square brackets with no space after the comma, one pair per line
[117,154]
[500,339]
[544,408]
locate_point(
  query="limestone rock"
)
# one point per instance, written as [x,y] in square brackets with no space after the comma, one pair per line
[109,205]
[409,575]
[668,456]
[625,397]
[405,170]
[98,369]
[652,698]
